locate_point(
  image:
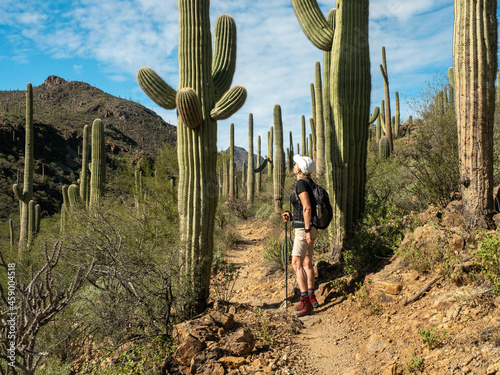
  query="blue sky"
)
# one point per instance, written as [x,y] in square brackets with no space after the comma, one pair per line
[104,42]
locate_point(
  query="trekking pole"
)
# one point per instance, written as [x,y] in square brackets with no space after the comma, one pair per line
[286,266]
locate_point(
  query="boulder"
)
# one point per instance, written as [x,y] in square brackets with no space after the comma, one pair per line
[188,349]
[232,362]
[240,342]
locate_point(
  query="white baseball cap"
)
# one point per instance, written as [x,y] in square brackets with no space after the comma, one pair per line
[306,164]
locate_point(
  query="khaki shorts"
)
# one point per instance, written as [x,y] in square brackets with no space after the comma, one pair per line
[300,246]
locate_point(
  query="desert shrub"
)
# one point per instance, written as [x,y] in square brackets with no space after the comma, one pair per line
[237,208]
[264,211]
[488,251]
[224,239]
[388,181]
[428,250]
[376,237]
[431,154]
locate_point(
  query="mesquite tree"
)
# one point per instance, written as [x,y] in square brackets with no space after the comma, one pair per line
[474,70]
[204,96]
[350,86]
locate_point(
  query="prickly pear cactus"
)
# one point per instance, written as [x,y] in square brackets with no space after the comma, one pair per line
[204,77]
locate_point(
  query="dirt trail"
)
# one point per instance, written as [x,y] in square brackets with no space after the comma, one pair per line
[321,339]
[363,334]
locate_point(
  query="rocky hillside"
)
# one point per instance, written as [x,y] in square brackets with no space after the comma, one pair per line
[68,106]
[61,109]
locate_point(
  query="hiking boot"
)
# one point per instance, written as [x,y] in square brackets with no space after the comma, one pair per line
[313,300]
[299,306]
[307,308]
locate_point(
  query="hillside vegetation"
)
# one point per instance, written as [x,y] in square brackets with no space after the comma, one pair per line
[61,109]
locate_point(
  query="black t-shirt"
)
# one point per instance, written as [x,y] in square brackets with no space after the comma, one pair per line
[298,215]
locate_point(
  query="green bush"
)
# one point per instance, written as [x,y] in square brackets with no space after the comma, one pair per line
[489,252]
[377,237]
[431,154]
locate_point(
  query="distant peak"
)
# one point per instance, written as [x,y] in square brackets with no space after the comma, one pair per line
[54,81]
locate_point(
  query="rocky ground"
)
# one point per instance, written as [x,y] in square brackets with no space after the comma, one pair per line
[386,327]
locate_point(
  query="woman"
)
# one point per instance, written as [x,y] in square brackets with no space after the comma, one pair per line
[305,233]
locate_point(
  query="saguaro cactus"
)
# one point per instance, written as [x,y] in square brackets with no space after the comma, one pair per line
[251,164]
[231,163]
[98,168]
[383,148]
[304,148]
[474,69]
[203,79]
[327,109]
[347,39]
[279,161]
[270,137]
[258,179]
[397,116]
[319,122]
[84,174]
[387,110]
[26,194]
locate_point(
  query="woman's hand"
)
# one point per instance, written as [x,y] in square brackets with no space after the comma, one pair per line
[309,239]
[287,216]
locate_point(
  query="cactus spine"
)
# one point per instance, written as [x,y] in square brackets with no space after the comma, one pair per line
[349,78]
[207,79]
[251,164]
[474,69]
[26,194]
[279,161]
